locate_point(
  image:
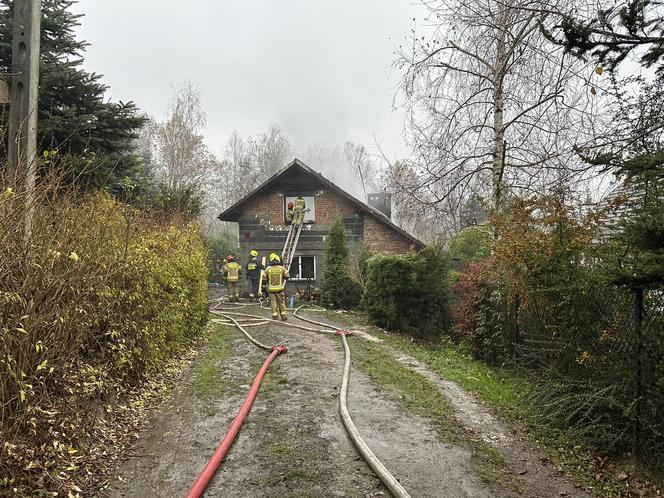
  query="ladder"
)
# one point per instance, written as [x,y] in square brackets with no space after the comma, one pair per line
[290,245]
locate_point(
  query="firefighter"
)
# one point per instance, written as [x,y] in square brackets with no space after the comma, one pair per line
[276,276]
[299,210]
[232,271]
[253,268]
[289,213]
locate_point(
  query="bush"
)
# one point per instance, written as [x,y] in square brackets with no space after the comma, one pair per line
[545,301]
[218,248]
[471,243]
[341,290]
[92,302]
[184,201]
[410,292]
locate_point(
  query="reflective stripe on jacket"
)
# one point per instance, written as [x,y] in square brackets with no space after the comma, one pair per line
[276,278]
[233,272]
[254,268]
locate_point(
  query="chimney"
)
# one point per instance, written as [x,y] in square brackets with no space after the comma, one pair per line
[382,202]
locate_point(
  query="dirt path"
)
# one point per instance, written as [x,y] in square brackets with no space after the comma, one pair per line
[293,443]
[529,464]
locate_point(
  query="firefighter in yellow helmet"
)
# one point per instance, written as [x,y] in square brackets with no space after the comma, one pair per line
[253,268]
[232,271]
[298,210]
[276,276]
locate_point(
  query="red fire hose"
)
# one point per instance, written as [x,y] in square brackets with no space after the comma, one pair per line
[225,445]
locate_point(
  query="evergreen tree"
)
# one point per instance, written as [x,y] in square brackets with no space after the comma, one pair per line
[637,258]
[341,291]
[637,158]
[640,263]
[95,138]
[613,33]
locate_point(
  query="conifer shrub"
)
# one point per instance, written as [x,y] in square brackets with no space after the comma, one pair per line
[341,289]
[409,292]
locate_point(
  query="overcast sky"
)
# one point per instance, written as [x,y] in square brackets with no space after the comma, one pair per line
[320,69]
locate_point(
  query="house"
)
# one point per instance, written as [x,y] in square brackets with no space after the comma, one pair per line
[262,225]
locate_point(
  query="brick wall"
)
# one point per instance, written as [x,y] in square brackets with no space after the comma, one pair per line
[381,238]
[329,205]
[267,207]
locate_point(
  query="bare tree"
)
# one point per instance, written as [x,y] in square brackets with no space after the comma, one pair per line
[359,161]
[248,163]
[493,105]
[268,153]
[176,146]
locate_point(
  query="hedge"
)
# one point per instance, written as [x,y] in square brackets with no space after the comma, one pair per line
[409,292]
[93,301]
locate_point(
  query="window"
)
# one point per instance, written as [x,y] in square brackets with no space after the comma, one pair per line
[309,203]
[303,268]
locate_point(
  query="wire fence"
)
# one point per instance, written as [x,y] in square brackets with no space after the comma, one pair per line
[600,352]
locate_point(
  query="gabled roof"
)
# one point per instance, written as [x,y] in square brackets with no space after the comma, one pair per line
[233,212]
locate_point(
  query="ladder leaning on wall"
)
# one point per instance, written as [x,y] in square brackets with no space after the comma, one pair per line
[290,245]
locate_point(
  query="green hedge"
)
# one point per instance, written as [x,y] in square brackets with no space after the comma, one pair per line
[410,292]
[92,304]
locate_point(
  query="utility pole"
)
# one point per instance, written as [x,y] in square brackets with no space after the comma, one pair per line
[23,100]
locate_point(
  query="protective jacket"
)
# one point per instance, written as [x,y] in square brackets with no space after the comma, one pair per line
[232,271]
[253,268]
[276,276]
[299,203]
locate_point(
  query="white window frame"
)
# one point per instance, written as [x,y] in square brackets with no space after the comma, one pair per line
[298,277]
[309,203]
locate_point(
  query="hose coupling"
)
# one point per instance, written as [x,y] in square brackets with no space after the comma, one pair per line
[342,332]
[282,349]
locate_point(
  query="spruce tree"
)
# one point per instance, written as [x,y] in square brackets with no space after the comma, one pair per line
[637,258]
[341,291]
[641,228]
[95,138]
[612,34]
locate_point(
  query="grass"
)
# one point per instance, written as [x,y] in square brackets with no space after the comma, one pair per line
[209,380]
[292,475]
[422,397]
[276,447]
[503,389]
[505,392]
[274,380]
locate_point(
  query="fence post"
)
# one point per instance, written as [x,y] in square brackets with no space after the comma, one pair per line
[638,341]
[513,336]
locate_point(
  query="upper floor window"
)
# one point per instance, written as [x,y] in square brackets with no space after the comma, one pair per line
[309,203]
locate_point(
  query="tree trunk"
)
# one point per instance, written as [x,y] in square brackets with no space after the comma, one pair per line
[498,163]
